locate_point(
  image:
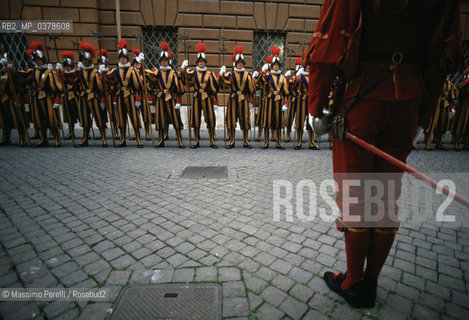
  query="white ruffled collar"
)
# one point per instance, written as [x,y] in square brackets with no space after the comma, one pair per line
[239,70]
[126,65]
[201,69]
[41,67]
[167,68]
[276,72]
[91,66]
[71,71]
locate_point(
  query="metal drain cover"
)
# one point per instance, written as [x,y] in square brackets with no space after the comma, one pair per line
[205,173]
[169,301]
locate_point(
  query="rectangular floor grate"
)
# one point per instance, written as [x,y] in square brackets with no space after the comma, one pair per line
[205,173]
[169,301]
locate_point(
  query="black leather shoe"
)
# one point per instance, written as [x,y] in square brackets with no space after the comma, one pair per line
[121,144]
[181,146]
[160,145]
[213,146]
[194,146]
[247,146]
[230,146]
[313,147]
[280,147]
[264,146]
[297,147]
[360,295]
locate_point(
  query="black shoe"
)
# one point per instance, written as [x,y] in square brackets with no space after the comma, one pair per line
[83,144]
[41,143]
[213,146]
[280,147]
[195,146]
[230,146]
[360,295]
[313,147]
[121,144]
[159,145]
[263,147]
[297,147]
[181,146]
[247,146]
[104,145]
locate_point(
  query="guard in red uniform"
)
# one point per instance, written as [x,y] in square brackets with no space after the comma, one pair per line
[389,53]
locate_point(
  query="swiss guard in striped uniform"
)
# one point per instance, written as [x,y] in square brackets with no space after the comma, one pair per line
[168,98]
[277,91]
[240,102]
[126,80]
[301,85]
[71,85]
[206,87]
[12,114]
[46,86]
[91,88]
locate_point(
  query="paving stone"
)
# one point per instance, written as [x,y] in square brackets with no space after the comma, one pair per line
[273,296]
[118,278]
[293,308]
[183,275]
[235,307]
[229,274]
[203,274]
[269,312]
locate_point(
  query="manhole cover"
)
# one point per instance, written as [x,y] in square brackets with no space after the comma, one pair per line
[205,173]
[169,301]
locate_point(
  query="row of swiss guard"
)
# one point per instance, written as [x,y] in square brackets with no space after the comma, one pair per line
[120,97]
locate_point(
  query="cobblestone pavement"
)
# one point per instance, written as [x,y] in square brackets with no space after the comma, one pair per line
[96,217]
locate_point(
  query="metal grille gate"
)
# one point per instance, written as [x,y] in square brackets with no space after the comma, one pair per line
[152,37]
[458,77]
[263,41]
[16,45]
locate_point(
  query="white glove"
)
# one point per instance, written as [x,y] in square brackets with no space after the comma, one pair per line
[102,68]
[80,65]
[177,106]
[114,103]
[49,66]
[215,107]
[418,133]
[57,105]
[184,64]
[288,73]
[265,67]
[26,107]
[255,74]
[58,66]
[300,72]
[140,57]
[250,105]
[310,121]
[150,101]
[284,107]
[102,105]
[453,112]
[222,70]
[138,104]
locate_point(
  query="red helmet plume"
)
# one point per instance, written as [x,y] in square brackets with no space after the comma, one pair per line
[238,54]
[68,54]
[136,52]
[88,47]
[201,47]
[37,45]
[122,44]
[103,52]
